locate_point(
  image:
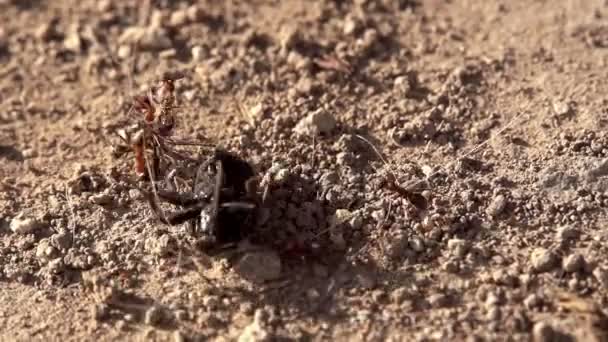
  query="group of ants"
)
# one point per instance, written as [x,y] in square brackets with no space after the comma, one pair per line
[215,189]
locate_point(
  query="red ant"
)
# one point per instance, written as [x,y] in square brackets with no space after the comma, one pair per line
[154,128]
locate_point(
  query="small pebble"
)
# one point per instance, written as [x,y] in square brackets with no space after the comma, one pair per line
[319,122]
[73,41]
[195,13]
[567,233]
[282,176]
[178,18]
[198,53]
[154,315]
[62,240]
[545,332]
[561,107]
[256,331]
[100,311]
[601,274]
[178,336]
[21,224]
[416,244]
[366,281]
[402,85]
[101,199]
[573,263]
[542,260]
[124,51]
[458,247]
[350,26]
[259,266]
[497,206]
[532,301]
[45,32]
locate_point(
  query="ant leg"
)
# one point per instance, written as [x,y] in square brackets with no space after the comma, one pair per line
[140,160]
[178,198]
[185,215]
[238,205]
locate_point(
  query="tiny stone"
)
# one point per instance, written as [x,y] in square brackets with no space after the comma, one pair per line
[195,13]
[135,195]
[356,222]
[573,263]
[340,217]
[101,199]
[23,225]
[542,260]
[121,324]
[73,41]
[599,169]
[366,281]
[458,247]
[567,233]
[378,215]
[29,153]
[178,18]
[304,85]
[561,108]
[532,301]
[601,274]
[402,85]
[100,311]
[154,315]
[416,244]
[104,5]
[256,331]
[497,206]
[437,300]
[544,332]
[124,51]
[312,294]
[329,178]
[62,241]
[198,53]
[396,244]
[44,32]
[282,175]
[181,315]
[289,37]
[167,54]
[178,336]
[494,313]
[319,122]
[259,266]
[320,271]
[246,308]
[351,25]
[146,38]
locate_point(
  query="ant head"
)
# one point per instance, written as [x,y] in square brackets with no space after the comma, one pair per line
[144,106]
[168,79]
[168,85]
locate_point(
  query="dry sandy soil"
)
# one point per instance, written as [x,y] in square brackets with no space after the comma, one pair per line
[494,111]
